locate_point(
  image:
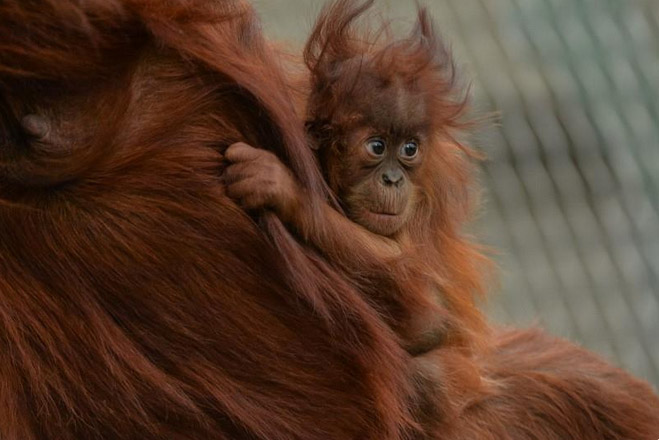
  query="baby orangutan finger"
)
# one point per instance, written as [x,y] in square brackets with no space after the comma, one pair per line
[254,201]
[249,193]
[242,152]
[240,171]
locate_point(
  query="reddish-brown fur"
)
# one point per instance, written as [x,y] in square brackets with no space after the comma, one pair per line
[408,85]
[362,89]
[138,302]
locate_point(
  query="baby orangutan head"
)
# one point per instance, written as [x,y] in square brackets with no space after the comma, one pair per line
[376,112]
[377,148]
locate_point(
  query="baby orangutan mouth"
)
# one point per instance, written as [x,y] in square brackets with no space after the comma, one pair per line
[383,223]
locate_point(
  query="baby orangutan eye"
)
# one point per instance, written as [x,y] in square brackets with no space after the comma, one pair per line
[376,146]
[409,150]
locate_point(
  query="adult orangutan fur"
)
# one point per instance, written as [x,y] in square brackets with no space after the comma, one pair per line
[137,301]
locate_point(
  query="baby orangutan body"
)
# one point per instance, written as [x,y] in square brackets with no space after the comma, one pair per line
[377,127]
[374,231]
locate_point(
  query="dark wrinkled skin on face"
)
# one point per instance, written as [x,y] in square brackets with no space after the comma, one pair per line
[379,191]
[393,111]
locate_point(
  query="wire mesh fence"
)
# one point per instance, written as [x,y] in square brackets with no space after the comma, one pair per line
[572,180]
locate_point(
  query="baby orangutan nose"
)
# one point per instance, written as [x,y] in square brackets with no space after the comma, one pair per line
[393,177]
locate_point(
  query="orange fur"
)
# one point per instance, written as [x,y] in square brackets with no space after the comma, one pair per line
[138,302]
[369,78]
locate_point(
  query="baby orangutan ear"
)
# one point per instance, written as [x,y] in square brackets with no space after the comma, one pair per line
[320,132]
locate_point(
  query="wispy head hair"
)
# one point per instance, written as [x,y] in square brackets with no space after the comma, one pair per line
[345,45]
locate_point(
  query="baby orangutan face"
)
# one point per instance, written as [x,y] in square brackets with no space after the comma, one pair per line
[377,178]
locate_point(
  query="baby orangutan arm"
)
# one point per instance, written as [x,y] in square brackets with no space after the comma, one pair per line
[258,179]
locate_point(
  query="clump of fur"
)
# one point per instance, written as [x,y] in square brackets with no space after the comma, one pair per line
[137,300]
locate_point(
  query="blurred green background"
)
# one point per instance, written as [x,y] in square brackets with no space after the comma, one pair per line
[571,196]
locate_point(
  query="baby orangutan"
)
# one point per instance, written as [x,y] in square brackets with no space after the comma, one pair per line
[378,116]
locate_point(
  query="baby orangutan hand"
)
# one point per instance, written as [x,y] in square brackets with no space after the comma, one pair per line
[257,179]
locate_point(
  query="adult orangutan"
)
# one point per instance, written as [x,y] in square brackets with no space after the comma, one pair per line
[138,301]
